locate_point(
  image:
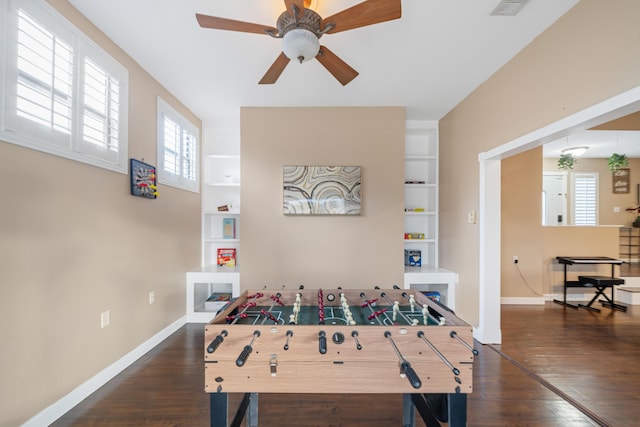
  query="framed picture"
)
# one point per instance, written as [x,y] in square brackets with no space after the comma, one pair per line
[143,179]
[321,190]
[621,181]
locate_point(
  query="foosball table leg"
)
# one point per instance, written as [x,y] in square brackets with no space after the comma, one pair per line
[408,411]
[252,411]
[435,409]
[457,410]
[219,408]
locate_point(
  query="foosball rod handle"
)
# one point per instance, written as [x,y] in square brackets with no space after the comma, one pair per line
[322,342]
[413,378]
[216,342]
[246,351]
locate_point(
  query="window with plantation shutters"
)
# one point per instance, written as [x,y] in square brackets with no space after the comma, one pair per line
[64,94]
[101,106]
[177,149]
[585,198]
[45,75]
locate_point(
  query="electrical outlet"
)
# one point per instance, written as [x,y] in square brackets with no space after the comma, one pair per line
[105,319]
[152,297]
[515,259]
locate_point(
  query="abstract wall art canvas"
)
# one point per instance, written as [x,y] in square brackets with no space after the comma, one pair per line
[321,190]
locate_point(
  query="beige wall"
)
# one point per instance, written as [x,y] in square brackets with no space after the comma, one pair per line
[556,75]
[521,225]
[322,251]
[73,244]
[522,234]
[575,241]
[607,200]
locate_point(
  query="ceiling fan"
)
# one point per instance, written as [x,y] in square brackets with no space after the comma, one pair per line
[300,29]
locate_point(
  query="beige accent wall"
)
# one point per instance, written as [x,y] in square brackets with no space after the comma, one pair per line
[588,55]
[322,251]
[73,244]
[575,241]
[521,177]
[537,273]
[607,200]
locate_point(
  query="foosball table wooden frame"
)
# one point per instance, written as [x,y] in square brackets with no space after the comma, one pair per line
[266,341]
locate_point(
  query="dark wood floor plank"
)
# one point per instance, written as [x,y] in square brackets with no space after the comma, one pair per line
[589,357]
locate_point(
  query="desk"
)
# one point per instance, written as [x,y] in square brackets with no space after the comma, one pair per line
[572,260]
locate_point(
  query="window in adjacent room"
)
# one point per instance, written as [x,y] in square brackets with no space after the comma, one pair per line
[585,198]
[178,148]
[64,94]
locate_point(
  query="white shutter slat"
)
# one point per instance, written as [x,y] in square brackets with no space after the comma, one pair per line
[585,201]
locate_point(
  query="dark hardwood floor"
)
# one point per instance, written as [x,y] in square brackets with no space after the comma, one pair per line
[557,366]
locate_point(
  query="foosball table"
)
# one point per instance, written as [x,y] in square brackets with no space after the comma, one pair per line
[337,341]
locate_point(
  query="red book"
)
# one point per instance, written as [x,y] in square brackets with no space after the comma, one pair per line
[226,257]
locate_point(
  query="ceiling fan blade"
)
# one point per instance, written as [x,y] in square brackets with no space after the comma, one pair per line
[336,66]
[275,70]
[216,23]
[368,12]
[299,4]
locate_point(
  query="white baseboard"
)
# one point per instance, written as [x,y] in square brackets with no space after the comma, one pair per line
[631,281]
[522,300]
[50,414]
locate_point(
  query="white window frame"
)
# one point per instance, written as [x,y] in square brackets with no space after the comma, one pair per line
[179,179]
[575,194]
[27,133]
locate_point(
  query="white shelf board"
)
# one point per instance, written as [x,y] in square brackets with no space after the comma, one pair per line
[222,213]
[221,240]
[223,184]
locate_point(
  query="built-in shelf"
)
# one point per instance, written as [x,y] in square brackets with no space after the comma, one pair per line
[421,164]
[221,175]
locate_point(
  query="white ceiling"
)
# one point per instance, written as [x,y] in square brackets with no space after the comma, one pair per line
[601,144]
[428,61]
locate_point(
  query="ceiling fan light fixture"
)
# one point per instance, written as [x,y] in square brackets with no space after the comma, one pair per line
[575,151]
[300,45]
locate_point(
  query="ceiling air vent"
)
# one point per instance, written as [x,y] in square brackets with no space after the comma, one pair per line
[509,7]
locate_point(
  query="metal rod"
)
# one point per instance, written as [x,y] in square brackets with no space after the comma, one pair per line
[455,370]
[454,334]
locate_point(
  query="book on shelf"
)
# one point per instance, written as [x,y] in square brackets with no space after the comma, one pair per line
[414,236]
[226,258]
[432,295]
[414,209]
[217,301]
[412,258]
[228,228]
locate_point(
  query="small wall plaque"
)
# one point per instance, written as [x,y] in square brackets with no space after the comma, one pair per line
[621,181]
